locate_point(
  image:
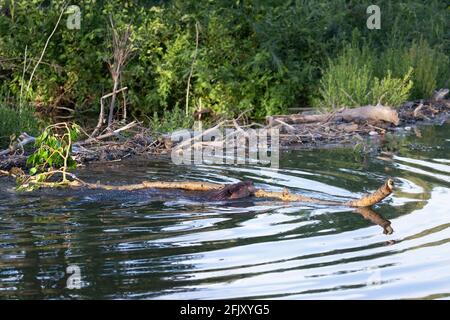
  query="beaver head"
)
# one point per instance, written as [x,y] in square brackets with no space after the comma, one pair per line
[233,191]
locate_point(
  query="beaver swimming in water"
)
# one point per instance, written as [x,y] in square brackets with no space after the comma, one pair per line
[232,191]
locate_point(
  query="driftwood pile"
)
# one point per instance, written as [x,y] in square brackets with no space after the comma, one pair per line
[110,146]
[351,125]
[345,126]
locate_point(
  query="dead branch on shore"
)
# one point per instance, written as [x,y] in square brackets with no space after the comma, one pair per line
[107,135]
[101,115]
[23,140]
[374,113]
[122,49]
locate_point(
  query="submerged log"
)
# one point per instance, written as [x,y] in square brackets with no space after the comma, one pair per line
[374,113]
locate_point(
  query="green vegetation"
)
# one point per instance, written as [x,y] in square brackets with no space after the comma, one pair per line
[262,56]
[53,156]
[170,121]
[14,122]
[350,80]
[431,66]
[54,149]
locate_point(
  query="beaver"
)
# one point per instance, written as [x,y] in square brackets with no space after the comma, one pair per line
[238,190]
[233,191]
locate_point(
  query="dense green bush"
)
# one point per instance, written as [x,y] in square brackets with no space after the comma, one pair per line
[170,121]
[354,79]
[16,121]
[392,91]
[431,66]
[348,79]
[264,56]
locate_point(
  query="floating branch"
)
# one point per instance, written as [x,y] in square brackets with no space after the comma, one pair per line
[381,193]
[369,200]
[366,201]
[188,185]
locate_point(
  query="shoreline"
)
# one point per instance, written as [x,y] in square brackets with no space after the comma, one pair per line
[333,133]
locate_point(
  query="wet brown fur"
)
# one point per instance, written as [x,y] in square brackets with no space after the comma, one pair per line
[233,191]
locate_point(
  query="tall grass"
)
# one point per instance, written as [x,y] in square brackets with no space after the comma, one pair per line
[431,66]
[14,121]
[361,75]
[348,79]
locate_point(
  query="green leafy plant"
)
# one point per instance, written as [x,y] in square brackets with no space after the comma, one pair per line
[53,154]
[431,66]
[170,121]
[263,56]
[391,91]
[15,121]
[350,80]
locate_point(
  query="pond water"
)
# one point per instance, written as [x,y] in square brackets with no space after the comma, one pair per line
[173,245]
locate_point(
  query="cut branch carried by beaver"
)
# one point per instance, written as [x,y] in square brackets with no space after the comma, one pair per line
[215,192]
[220,192]
[246,189]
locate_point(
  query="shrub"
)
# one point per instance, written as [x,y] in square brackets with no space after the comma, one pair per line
[14,122]
[431,66]
[391,91]
[170,121]
[350,81]
[265,56]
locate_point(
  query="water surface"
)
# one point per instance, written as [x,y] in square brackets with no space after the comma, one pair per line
[173,245]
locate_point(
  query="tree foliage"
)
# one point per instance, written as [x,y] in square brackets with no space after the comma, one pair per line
[264,55]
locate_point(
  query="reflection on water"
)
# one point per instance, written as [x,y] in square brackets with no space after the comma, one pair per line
[171,245]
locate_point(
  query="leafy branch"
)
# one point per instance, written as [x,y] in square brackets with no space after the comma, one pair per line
[52,156]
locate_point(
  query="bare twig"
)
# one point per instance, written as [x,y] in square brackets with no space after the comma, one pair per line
[285,124]
[24,139]
[23,77]
[187,142]
[108,134]
[45,48]
[192,68]
[101,116]
[121,51]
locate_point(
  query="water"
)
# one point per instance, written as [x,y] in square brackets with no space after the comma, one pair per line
[172,245]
